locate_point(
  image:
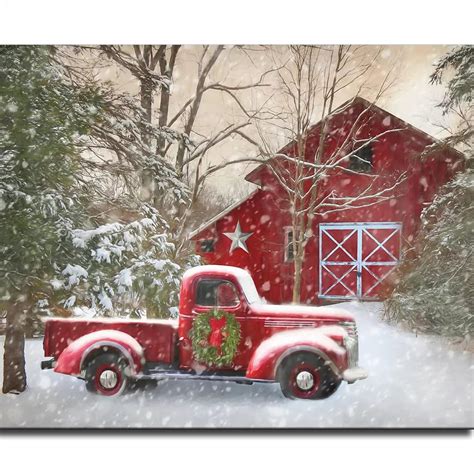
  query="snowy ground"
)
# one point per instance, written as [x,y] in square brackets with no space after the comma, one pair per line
[413,382]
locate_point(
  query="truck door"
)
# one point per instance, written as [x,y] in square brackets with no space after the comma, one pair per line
[222,294]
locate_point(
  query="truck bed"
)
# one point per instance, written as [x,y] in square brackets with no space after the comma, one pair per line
[157,337]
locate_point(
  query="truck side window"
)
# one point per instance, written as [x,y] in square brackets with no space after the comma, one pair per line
[227,295]
[216,293]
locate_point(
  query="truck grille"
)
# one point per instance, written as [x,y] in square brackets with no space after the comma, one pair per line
[351,328]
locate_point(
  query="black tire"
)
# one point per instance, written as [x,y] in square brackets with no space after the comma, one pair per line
[331,387]
[320,383]
[116,365]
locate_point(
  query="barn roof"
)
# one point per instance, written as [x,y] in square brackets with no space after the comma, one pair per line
[221,214]
[253,175]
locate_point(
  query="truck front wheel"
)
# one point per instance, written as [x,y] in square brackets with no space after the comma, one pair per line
[305,375]
[106,375]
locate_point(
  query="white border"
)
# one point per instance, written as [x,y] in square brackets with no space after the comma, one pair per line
[246,21]
[223,213]
[231,453]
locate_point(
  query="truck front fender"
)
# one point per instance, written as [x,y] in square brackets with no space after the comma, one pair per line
[272,351]
[73,358]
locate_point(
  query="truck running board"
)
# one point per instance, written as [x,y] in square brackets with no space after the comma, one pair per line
[177,375]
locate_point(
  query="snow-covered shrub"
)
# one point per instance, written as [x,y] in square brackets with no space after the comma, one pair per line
[436,289]
[124,270]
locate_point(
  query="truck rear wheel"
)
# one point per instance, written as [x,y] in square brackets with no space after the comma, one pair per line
[305,375]
[106,375]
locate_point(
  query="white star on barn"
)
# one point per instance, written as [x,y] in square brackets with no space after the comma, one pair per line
[238,238]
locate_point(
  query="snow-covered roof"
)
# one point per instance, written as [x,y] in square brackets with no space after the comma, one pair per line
[242,276]
[221,214]
[218,269]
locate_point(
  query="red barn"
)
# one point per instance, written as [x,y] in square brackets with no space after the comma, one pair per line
[351,252]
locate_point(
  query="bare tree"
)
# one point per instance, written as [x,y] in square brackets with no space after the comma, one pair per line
[310,83]
[153,67]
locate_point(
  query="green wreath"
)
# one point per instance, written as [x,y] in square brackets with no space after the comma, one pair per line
[215,341]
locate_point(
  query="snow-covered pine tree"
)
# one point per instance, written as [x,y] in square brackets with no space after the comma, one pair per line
[41,117]
[436,289]
[123,270]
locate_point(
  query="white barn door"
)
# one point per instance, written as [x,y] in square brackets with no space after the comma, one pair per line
[356,257]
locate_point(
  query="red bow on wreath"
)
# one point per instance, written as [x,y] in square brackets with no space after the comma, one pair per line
[215,336]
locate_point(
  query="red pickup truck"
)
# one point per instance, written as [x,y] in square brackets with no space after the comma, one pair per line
[224,332]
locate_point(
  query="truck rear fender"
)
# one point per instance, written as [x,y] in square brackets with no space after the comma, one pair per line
[76,356]
[272,351]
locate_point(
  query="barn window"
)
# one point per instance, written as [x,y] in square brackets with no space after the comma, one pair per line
[362,159]
[207,245]
[289,251]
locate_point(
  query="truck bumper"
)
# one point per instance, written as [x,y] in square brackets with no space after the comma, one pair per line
[353,374]
[47,364]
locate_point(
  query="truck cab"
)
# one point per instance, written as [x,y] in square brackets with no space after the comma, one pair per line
[308,350]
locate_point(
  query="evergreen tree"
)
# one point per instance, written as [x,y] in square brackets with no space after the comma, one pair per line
[436,289]
[460,87]
[123,270]
[41,117]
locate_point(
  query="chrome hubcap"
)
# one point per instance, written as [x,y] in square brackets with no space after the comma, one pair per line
[304,380]
[108,379]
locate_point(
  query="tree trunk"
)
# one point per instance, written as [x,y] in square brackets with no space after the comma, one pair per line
[146,101]
[14,374]
[297,279]
[163,120]
[166,69]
